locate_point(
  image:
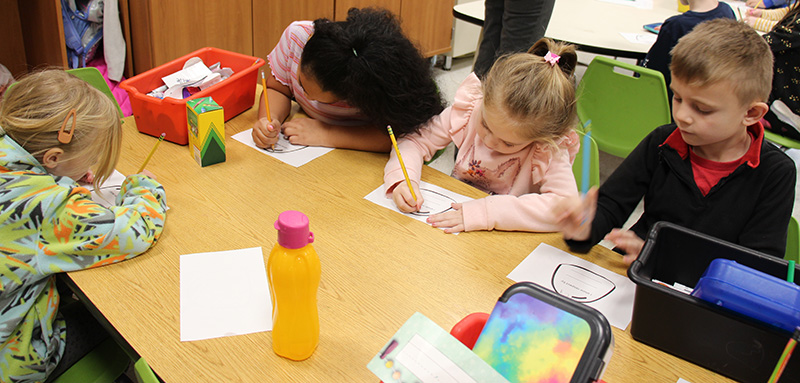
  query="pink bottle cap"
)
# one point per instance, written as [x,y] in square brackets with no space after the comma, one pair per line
[292,229]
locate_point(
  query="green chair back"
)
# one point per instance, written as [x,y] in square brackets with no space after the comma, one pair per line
[144,374]
[793,241]
[104,364]
[623,108]
[93,77]
[594,164]
[783,142]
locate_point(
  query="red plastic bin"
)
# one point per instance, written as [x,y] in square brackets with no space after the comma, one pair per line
[155,116]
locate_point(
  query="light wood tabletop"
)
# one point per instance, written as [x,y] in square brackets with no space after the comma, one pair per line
[594,25]
[378,267]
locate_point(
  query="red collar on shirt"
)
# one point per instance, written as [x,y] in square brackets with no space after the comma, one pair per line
[752,157]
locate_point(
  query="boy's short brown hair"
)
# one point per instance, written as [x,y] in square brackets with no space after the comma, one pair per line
[725,50]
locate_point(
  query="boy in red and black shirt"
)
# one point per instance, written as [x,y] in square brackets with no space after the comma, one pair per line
[711,171]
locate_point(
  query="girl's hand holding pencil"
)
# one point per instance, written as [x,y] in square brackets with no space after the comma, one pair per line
[405,200]
[265,132]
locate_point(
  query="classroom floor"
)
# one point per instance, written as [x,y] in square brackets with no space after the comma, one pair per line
[449,81]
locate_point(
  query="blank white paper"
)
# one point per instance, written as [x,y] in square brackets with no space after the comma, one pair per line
[224,293]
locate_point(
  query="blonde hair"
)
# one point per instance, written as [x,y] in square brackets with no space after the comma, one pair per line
[725,50]
[34,109]
[538,96]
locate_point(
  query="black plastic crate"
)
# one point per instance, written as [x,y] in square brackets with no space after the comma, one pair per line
[710,336]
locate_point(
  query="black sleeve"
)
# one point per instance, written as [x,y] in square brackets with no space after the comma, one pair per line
[766,229]
[624,188]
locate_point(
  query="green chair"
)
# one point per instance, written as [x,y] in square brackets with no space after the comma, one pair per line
[144,374]
[93,77]
[104,364]
[781,141]
[594,164]
[793,241]
[623,107]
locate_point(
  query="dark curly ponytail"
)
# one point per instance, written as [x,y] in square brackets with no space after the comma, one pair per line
[368,62]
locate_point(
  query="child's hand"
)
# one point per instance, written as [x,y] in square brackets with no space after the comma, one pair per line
[575,215]
[452,221]
[628,242]
[756,13]
[307,131]
[147,173]
[265,133]
[750,20]
[753,3]
[404,200]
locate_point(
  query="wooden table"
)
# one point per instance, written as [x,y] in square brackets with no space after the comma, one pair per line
[593,25]
[378,267]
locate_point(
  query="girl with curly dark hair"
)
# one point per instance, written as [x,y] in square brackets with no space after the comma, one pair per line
[352,78]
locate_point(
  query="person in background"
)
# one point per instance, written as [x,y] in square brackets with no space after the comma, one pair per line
[783,39]
[510,26]
[767,4]
[675,27]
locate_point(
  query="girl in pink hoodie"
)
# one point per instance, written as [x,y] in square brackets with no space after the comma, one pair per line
[515,139]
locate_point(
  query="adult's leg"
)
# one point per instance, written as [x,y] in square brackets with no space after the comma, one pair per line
[524,22]
[492,29]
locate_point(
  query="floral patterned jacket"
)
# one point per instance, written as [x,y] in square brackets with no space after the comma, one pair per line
[524,185]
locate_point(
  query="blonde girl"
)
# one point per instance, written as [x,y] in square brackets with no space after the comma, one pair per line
[54,130]
[515,139]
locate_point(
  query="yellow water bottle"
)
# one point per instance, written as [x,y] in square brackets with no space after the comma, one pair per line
[293,272]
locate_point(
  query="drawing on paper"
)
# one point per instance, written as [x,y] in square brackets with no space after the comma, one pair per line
[580,284]
[434,203]
[108,196]
[284,146]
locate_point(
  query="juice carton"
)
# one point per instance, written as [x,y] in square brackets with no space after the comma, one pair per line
[206,124]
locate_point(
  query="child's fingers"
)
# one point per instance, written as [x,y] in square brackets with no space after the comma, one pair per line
[403,200]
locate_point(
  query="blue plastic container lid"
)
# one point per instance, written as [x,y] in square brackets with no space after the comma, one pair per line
[750,292]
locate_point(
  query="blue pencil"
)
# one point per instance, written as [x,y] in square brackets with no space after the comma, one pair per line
[586,157]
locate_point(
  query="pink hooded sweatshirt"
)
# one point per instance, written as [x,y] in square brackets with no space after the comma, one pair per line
[523,186]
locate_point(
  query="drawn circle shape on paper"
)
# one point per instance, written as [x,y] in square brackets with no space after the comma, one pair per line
[429,209]
[284,146]
[580,284]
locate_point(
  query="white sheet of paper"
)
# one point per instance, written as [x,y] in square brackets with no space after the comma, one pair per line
[294,155]
[435,200]
[640,38]
[641,4]
[193,73]
[580,280]
[682,380]
[224,301]
[110,189]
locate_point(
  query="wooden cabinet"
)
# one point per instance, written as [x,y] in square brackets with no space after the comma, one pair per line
[33,35]
[164,30]
[161,31]
[271,17]
[428,23]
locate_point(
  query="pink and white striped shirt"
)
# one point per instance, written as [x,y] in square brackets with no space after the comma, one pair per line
[284,60]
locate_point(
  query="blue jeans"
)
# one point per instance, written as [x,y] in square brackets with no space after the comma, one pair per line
[511,26]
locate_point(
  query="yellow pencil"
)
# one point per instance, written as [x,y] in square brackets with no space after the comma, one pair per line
[146,160]
[759,4]
[402,165]
[266,101]
[266,98]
